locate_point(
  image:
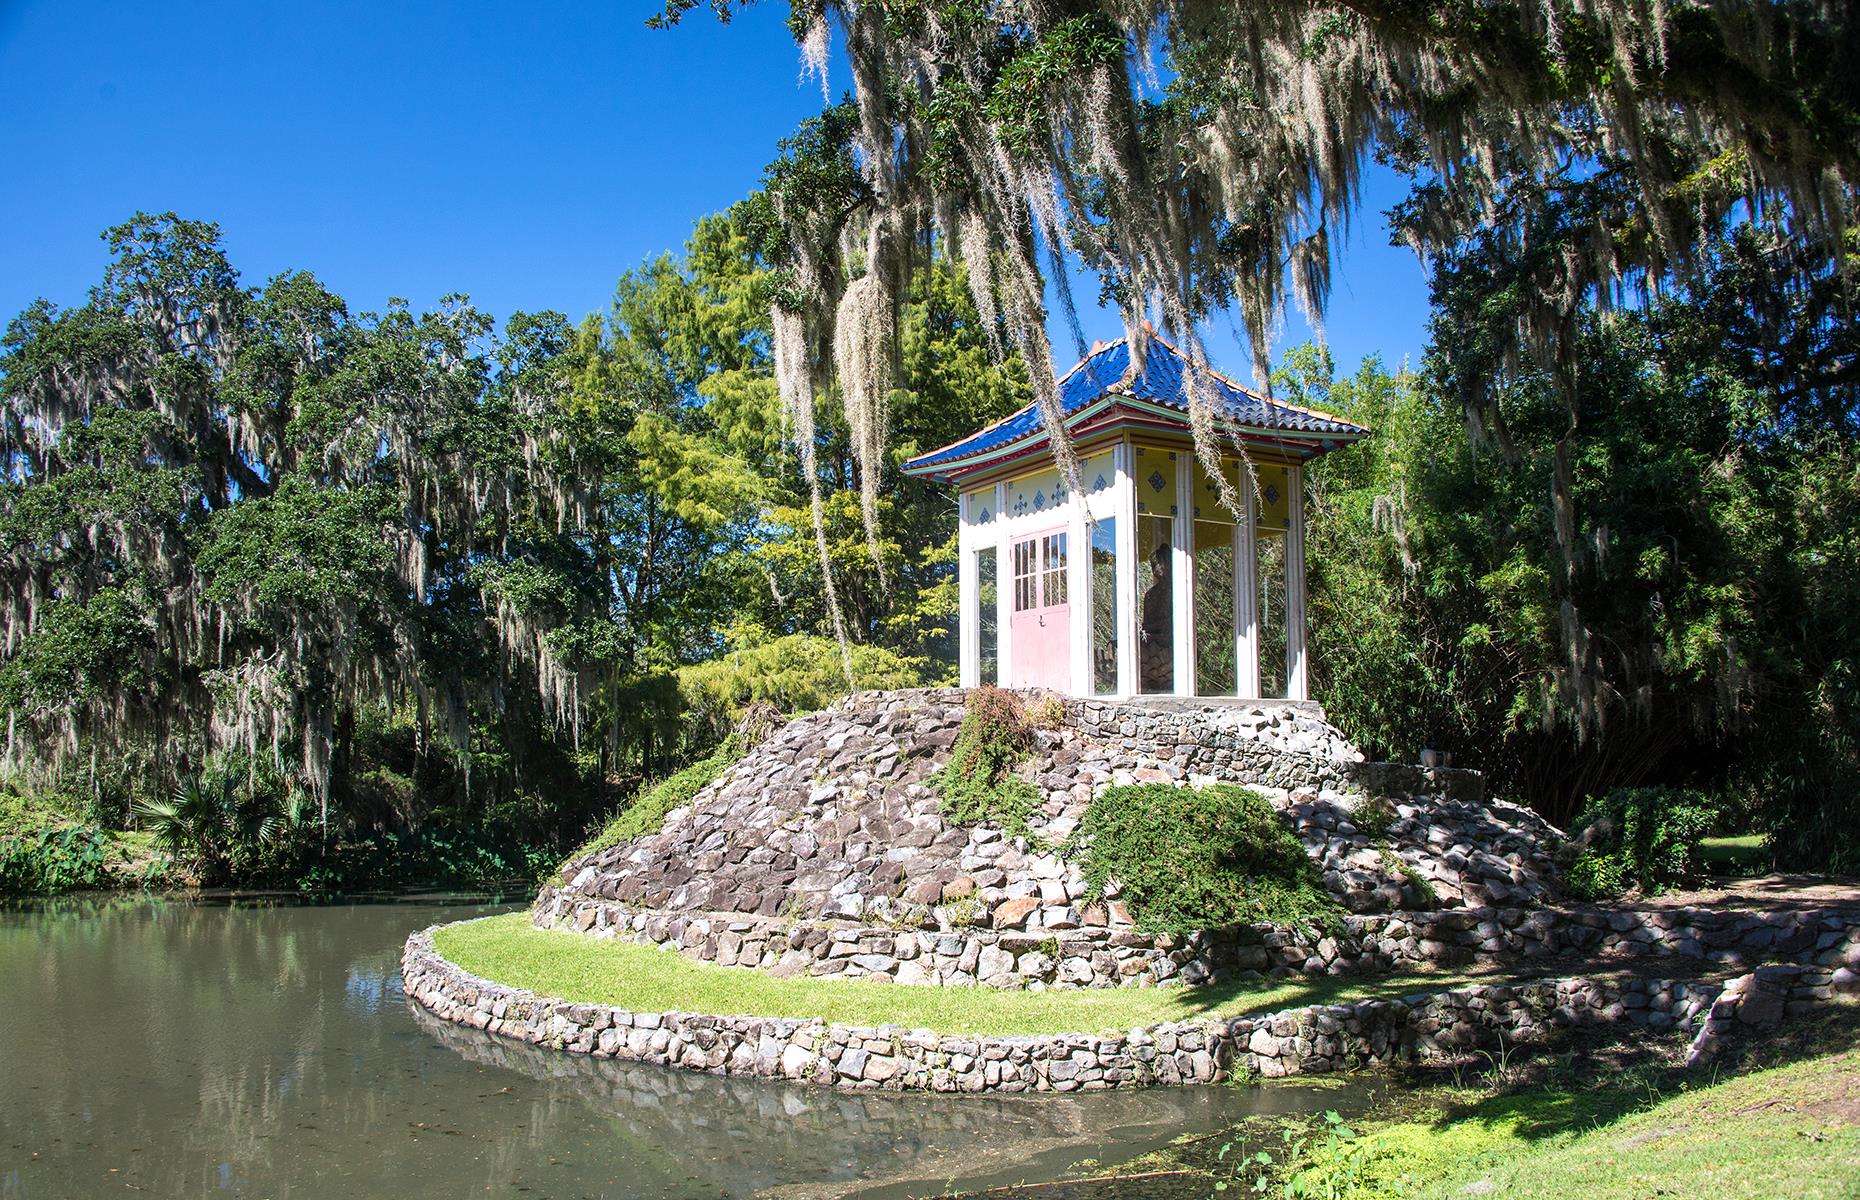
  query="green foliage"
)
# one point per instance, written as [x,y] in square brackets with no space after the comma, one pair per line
[978,785]
[492,854]
[1342,1174]
[91,650]
[44,851]
[646,812]
[238,820]
[1556,1130]
[241,822]
[1426,898]
[461,587]
[1646,838]
[794,673]
[1372,817]
[302,548]
[1200,858]
[1623,575]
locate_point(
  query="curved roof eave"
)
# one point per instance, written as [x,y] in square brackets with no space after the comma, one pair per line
[929,466]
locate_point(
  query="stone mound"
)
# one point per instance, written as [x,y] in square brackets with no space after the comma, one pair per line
[833,819]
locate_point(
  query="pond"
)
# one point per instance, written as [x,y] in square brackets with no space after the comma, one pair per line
[190,1047]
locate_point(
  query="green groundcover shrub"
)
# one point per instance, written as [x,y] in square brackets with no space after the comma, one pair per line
[1200,858]
[1646,838]
[43,852]
[979,785]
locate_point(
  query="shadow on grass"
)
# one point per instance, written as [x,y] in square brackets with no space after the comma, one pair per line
[1253,997]
[1243,998]
[1611,1075]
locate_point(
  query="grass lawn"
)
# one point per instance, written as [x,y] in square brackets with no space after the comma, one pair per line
[509,950]
[1613,1115]
[1742,855]
[1787,1131]
[1613,1120]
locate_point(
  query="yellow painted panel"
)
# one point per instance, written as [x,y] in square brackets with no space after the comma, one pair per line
[1273,491]
[1155,472]
[1208,506]
[1099,473]
[981,506]
[1036,493]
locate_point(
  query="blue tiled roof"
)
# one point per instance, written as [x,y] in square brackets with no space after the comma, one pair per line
[1162,382]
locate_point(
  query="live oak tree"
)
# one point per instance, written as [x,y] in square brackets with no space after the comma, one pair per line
[1206,155]
[232,516]
[1197,154]
[1686,619]
[245,526]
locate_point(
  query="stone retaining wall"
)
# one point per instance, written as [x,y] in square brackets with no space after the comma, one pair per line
[835,817]
[1105,957]
[1308,1040]
[1280,745]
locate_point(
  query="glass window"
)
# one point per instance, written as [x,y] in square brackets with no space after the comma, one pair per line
[1026,575]
[1271,615]
[987,597]
[1216,667]
[1053,570]
[1156,619]
[1104,608]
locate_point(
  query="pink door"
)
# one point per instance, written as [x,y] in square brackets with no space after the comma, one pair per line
[1042,616]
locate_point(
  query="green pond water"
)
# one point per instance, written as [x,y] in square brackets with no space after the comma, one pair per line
[182,1048]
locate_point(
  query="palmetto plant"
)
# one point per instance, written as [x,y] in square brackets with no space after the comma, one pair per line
[223,825]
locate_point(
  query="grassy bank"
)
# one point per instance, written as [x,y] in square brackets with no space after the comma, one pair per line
[1744,854]
[1787,1131]
[509,950]
[1602,1119]
[1790,1129]
[47,846]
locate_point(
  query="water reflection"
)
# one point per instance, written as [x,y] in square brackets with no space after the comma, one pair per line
[190,1049]
[769,1136]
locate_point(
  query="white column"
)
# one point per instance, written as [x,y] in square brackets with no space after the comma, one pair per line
[1183,570]
[968,599]
[1078,594]
[1127,612]
[1004,592]
[1297,684]
[1246,591]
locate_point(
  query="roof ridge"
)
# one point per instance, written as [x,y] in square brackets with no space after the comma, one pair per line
[1031,405]
[1260,396]
[1277,420]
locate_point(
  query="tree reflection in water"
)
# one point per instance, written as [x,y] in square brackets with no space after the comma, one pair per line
[186,1048]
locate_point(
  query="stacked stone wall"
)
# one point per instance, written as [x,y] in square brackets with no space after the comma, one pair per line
[1102,957]
[1314,1039]
[834,820]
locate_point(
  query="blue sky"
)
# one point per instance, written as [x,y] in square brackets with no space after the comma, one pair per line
[525,154]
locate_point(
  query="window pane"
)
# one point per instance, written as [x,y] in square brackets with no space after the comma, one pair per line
[1104,607]
[987,598]
[1216,673]
[1054,576]
[1155,584]
[1025,577]
[1272,615]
